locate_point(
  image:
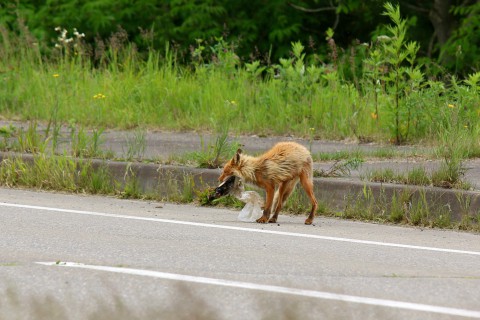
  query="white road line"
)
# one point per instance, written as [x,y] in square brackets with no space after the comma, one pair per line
[276,289]
[207,225]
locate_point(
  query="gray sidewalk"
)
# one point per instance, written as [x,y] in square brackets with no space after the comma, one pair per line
[162,145]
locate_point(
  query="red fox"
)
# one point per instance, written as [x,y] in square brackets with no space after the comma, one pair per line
[277,171]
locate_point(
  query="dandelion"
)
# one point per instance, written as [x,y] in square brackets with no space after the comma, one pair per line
[56,75]
[231,103]
[374,115]
[99,96]
[451,106]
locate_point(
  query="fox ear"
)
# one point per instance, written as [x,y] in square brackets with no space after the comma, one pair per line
[236,157]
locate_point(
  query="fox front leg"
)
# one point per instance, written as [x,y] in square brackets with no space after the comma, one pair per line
[270,190]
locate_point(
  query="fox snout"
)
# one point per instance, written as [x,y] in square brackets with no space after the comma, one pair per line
[222,177]
[226,173]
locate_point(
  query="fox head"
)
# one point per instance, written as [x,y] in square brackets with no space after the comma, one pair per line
[231,166]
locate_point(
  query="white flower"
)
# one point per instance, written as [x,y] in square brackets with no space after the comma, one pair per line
[383,38]
[77,34]
[302,70]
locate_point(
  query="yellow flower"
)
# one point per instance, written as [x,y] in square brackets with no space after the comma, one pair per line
[451,105]
[231,103]
[56,75]
[99,96]
[374,115]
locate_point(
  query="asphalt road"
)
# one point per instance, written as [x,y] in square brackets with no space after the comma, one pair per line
[84,257]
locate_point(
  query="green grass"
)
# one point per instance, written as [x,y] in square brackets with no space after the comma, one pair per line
[214,155]
[171,99]
[56,173]
[306,99]
[338,155]
[404,207]
[82,143]
[379,152]
[442,177]
[62,173]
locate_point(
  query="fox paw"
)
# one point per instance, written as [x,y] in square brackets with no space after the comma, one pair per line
[308,221]
[262,220]
[272,220]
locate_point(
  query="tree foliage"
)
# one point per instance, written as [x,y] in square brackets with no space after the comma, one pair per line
[446,30]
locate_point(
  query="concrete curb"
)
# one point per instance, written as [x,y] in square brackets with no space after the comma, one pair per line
[335,193]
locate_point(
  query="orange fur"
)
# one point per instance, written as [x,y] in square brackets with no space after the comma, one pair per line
[277,171]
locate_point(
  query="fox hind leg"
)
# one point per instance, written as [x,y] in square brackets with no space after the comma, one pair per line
[307,184]
[282,195]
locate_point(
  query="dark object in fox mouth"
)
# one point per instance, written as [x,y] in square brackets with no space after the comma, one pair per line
[225,187]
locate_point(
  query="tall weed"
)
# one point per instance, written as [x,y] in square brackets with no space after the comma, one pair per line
[387,97]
